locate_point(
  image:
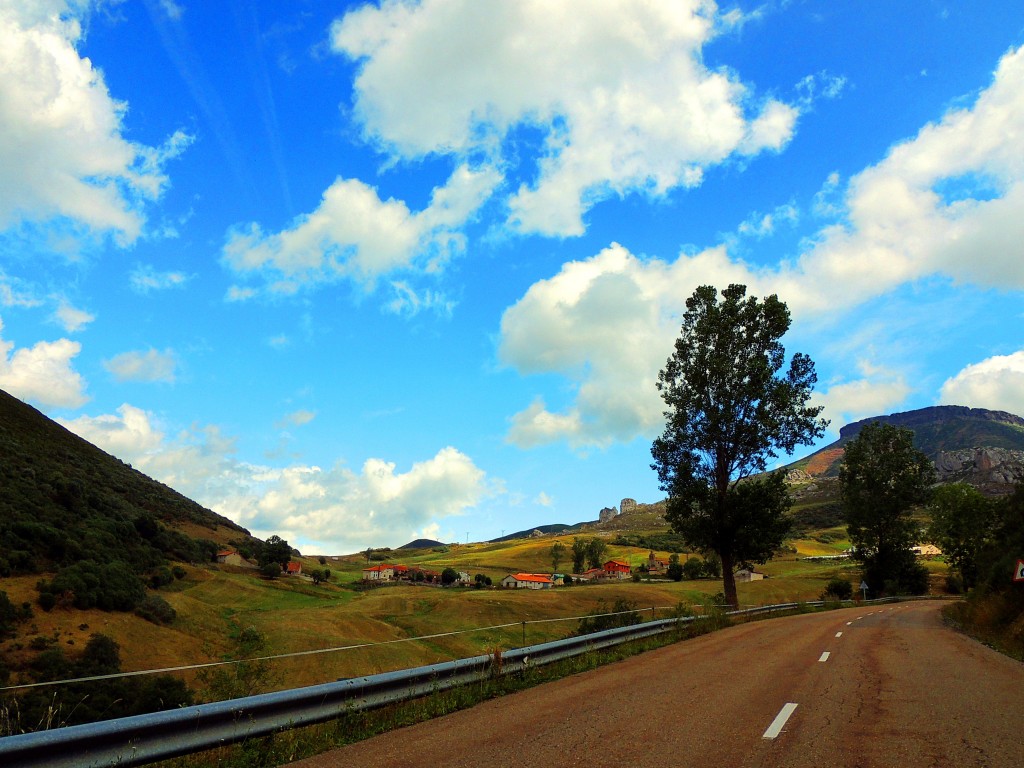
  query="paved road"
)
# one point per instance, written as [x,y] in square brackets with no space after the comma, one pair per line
[882,686]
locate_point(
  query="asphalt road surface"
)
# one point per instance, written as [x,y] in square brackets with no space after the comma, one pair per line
[879,686]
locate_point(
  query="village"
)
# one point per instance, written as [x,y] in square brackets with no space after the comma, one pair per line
[611,570]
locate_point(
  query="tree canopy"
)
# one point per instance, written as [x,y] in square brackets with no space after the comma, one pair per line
[883,477]
[963,521]
[730,410]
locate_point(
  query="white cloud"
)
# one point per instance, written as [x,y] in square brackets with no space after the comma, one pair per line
[42,373]
[299,418]
[996,383]
[606,323]
[61,131]
[619,93]
[946,202]
[144,278]
[71,318]
[354,234]
[333,510]
[138,365]
[878,391]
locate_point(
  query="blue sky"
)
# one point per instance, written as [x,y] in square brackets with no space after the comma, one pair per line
[358,273]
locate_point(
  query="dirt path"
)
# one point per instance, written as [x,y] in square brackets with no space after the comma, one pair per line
[885,686]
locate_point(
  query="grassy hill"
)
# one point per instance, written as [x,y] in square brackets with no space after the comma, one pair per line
[63,500]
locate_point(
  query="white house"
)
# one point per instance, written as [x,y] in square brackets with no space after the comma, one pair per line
[527,581]
[379,573]
[745,574]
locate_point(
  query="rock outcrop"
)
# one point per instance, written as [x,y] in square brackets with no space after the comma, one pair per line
[992,470]
[607,514]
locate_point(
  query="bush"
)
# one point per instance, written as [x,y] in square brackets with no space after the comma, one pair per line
[157,610]
[449,576]
[270,570]
[693,569]
[838,589]
[108,586]
[623,613]
[178,572]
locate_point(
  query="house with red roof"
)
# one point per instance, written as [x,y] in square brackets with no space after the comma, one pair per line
[230,557]
[617,569]
[527,581]
[293,568]
[378,573]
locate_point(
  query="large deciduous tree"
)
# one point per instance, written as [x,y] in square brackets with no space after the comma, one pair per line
[882,479]
[731,409]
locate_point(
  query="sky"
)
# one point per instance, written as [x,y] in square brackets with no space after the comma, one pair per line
[354,274]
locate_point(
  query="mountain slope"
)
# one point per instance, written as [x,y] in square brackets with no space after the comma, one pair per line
[62,499]
[937,429]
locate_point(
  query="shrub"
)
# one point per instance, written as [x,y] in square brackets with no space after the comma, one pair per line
[157,610]
[693,569]
[270,570]
[178,572]
[838,589]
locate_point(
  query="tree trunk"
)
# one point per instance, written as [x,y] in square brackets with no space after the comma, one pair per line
[729,581]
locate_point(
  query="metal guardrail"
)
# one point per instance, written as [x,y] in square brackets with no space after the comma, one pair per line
[144,739]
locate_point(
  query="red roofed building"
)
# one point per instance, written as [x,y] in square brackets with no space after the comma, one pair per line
[527,581]
[618,569]
[229,557]
[293,568]
[378,573]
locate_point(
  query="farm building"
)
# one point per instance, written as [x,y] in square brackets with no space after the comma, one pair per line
[618,569]
[745,574]
[378,573]
[230,557]
[293,568]
[527,581]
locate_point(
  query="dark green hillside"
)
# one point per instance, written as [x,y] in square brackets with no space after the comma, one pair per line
[63,500]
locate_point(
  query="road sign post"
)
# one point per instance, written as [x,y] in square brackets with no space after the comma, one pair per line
[1018,574]
[864,589]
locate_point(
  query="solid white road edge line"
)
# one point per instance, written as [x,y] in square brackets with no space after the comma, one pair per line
[780,720]
[824,656]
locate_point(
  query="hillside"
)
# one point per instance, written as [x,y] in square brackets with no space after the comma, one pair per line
[62,500]
[937,430]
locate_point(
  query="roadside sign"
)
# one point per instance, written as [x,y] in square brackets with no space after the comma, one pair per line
[1018,575]
[864,589]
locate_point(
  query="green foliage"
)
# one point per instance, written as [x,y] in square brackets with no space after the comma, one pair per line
[449,576]
[157,610]
[596,548]
[319,576]
[87,702]
[579,554]
[693,568]
[668,542]
[729,411]
[11,615]
[87,584]
[270,570]
[63,500]
[838,589]
[274,550]
[882,479]
[557,553]
[962,525]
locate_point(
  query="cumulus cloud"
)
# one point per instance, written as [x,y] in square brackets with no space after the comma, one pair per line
[43,373]
[944,203]
[331,510]
[624,103]
[996,383]
[61,131]
[298,418]
[879,390]
[354,234]
[148,365]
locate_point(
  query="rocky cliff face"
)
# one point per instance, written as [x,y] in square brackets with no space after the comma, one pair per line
[991,470]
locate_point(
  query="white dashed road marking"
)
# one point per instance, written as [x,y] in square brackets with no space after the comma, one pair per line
[839,634]
[824,656]
[780,720]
